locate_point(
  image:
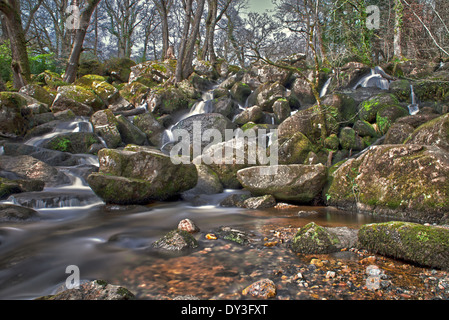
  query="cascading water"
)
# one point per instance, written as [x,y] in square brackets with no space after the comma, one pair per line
[376,79]
[413,107]
[325,87]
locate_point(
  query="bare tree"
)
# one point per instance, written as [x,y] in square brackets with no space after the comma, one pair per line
[13,22]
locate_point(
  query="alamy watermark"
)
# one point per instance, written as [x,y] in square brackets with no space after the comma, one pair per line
[234,147]
[72,281]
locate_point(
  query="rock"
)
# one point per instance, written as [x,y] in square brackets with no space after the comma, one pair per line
[262,289]
[107,92]
[431,90]
[134,92]
[252,114]
[398,133]
[282,110]
[199,124]
[129,133]
[139,175]
[188,226]
[347,237]
[61,199]
[349,140]
[402,90]
[332,142]
[119,69]
[263,202]
[344,105]
[308,123]
[226,106]
[73,142]
[167,100]
[106,126]
[17,185]
[233,235]
[93,290]
[82,95]
[406,181]
[31,168]
[303,91]
[300,183]
[152,73]
[208,182]
[14,213]
[38,93]
[387,115]
[62,103]
[148,124]
[423,245]
[314,239]
[267,94]
[234,200]
[295,149]
[364,129]
[432,133]
[176,240]
[240,91]
[370,108]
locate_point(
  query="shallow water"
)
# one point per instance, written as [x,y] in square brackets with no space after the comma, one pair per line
[108,241]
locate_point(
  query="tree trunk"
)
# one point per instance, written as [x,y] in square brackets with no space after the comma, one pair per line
[20,64]
[77,48]
[397,48]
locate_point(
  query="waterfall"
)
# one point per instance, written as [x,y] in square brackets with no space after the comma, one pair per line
[377,78]
[325,87]
[413,107]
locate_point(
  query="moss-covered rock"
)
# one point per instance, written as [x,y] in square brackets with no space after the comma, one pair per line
[387,115]
[398,133]
[118,69]
[106,126]
[38,93]
[148,124]
[299,183]
[252,114]
[344,105]
[314,239]
[8,186]
[407,181]
[167,100]
[369,108]
[134,92]
[282,110]
[349,140]
[432,90]
[73,142]
[434,132]
[129,132]
[63,103]
[266,95]
[240,91]
[138,175]
[82,95]
[402,90]
[14,213]
[295,149]
[15,115]
[176,240]
[365,129]
[423,245]
[152,73]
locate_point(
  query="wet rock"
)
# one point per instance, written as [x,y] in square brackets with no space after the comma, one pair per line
[31,168]
[74,142]
[235,200]
[252,114]
[176,240]
[262,289]
[407,181]
[424,245]
[18,185]
[233,235]
[14,213]
[263,202]
[129,132]
[295,149]
[225,105]
[314,239]
[62,103]
[148,124]
[432,133]
[188,225]
[106,126]
[62,199]
[94,290]
[138,175]
[208,182]
[300,183]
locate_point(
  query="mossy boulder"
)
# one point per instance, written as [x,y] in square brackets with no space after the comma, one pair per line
[332,142]
[139,175]
[63,103]
[387,115]
[299,183]
[420,244]
[368,109]
[407,181]
[365,129]
[153,129]
[176,240]
[167,100]
[11,186]
[402,90]
[106,126]
[38,93]
[152,73]
[308,122]
[295,149]
[134,92]
[240,92]
[73,142]
[432,90]
[129,132]
[82,95]
[282,110]
[434,132]
[349,140]
[252,114]
[344,105]
[266,95]
[14,213]
[118,69]
[398,133]
[314,239]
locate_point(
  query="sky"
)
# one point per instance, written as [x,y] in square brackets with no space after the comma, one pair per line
[260,5]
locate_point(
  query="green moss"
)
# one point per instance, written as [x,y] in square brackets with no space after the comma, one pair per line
[314,239]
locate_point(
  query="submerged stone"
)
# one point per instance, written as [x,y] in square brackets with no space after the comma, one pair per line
[176,240]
